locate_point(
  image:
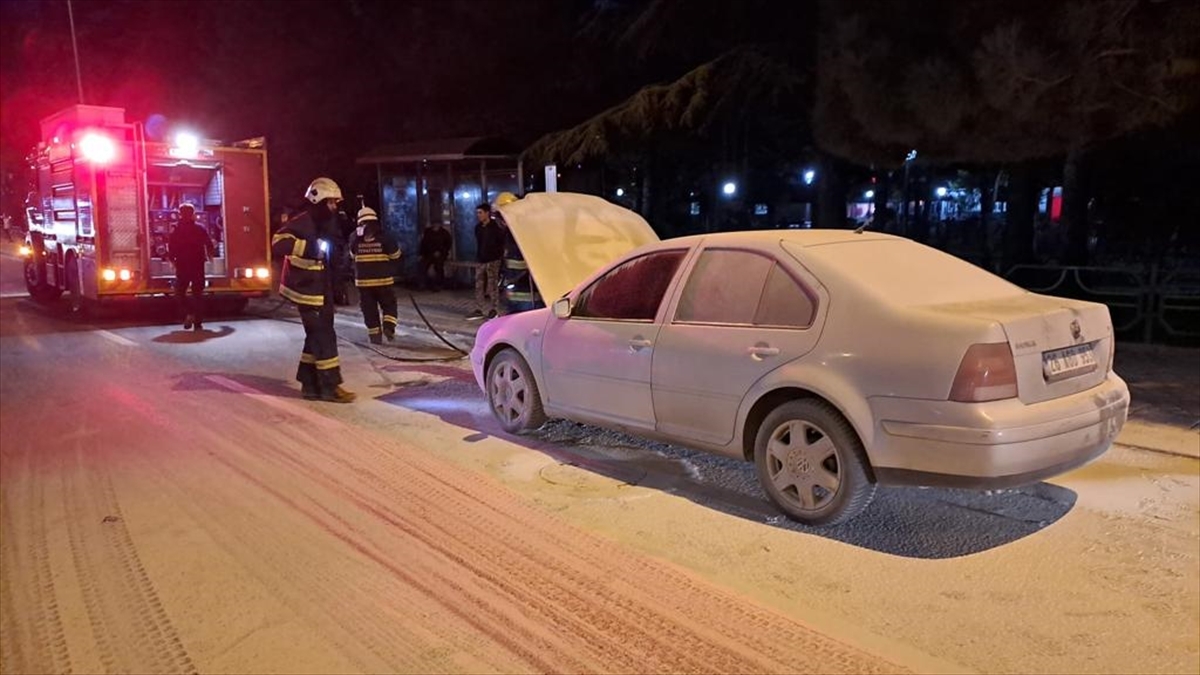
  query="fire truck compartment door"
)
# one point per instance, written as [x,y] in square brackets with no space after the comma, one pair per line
[124,222]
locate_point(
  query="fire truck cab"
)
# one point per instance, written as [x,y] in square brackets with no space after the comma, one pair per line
[107,200]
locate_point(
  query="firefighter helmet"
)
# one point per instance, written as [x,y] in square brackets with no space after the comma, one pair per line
[321,189]
[367,213]
[502,199]
[187,205]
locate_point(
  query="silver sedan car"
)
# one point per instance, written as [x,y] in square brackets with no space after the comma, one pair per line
[834,360]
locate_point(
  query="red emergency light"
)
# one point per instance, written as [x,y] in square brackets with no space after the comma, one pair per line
[97,148]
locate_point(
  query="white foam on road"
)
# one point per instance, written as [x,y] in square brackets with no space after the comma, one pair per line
[113,337]
[276,402]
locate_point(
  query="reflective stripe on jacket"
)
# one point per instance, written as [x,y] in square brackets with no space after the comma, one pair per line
[303,278]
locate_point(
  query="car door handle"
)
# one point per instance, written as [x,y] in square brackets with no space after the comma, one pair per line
[757,353]
[638,344]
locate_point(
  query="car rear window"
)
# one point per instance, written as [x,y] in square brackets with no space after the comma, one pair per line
[901,271]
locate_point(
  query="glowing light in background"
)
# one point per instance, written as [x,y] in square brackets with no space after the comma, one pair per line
[729,188]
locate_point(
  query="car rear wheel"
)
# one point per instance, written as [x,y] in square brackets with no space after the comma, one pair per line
[811,463]
[513,394]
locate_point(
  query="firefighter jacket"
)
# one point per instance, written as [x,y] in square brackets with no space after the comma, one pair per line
[189,246]
[305,278]
[518,290]
[375,256]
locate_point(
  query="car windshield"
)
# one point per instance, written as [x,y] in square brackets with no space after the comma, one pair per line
[902,272]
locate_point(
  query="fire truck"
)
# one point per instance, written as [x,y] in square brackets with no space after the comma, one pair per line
[107,199]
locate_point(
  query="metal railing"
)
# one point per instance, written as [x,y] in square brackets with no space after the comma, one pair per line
[1147,304]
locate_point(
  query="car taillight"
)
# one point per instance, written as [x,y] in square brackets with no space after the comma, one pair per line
[987,373]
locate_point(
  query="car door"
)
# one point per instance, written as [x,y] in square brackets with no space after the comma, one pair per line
[596,362]
[740,314]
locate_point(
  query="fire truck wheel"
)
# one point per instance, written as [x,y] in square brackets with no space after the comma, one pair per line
[76,303]
[35,283]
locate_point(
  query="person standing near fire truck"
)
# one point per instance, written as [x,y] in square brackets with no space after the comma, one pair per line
[305,243]
[375,256]
[190,248]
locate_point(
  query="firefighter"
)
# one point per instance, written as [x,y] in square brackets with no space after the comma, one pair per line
[375,256]
[518,293]
[190,248]
[305,243]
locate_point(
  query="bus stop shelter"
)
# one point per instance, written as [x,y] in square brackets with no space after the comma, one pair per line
[424,182]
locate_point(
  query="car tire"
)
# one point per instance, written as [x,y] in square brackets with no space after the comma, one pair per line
[812,464]
[513,393]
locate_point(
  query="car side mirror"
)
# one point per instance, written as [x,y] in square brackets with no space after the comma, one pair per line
[562,308]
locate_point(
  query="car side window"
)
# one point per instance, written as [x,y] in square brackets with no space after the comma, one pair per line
[784,302]
[743,288]
[632,291]
[725,286]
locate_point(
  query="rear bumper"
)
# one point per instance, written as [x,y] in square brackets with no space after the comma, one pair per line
[996,444]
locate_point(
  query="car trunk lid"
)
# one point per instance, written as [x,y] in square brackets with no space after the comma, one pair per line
[565,237]
[1060,346]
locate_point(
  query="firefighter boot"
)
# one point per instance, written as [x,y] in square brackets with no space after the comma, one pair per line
[310,393]
[187,323]
[376,338]
[389,331]
[338,395]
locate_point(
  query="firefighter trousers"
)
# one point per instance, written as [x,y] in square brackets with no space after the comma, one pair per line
[186,277]
[319,369]
[373,300]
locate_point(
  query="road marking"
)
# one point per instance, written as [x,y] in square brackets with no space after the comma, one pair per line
[275,402]
[109,335]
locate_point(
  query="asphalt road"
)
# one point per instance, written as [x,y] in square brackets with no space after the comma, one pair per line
[170,504]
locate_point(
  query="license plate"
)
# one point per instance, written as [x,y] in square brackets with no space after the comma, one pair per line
[1059,364]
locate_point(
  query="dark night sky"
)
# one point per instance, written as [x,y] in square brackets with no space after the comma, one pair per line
[322,80]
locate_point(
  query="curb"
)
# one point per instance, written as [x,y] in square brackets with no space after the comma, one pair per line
[1163,438]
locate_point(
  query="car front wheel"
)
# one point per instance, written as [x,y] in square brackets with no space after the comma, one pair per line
[811,463]
[513,393]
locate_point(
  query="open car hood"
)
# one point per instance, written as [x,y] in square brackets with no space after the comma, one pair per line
[565,237]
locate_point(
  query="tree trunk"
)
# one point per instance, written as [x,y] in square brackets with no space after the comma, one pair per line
[1022,204]
[831,194]
[987,204]
[1074,206]
[882,187]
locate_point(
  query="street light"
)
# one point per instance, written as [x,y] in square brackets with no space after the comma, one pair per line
[809,176]
[940,192]
[729,188]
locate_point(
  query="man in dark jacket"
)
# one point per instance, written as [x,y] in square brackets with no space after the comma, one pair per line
[489,249]
[190,247]
[305,243]
[435,249]
[375,256]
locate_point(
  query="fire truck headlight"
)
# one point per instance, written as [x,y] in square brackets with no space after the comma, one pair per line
[109,275]
[24,251]
[248,273]
[125,275]
[262,273]
[97,148]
